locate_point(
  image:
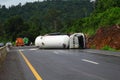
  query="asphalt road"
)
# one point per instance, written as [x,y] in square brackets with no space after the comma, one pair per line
[65,64]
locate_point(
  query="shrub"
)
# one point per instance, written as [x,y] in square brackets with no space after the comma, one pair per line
[108,48]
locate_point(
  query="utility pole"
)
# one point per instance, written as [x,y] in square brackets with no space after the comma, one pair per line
[94,2]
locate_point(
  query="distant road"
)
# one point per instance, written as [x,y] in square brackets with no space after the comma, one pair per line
[63,64]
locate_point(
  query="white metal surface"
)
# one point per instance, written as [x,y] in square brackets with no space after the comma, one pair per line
[37,40]
[74,40]
[53,41]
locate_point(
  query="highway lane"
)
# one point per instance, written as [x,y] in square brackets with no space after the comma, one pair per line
[52,64]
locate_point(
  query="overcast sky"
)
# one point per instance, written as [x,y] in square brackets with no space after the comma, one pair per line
[8,3]
[15,2]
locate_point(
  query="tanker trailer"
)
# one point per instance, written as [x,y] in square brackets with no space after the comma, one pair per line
[54,41]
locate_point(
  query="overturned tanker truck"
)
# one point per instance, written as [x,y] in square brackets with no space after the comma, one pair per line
[76,40]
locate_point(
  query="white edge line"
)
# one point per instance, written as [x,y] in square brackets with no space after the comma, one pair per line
[85,60]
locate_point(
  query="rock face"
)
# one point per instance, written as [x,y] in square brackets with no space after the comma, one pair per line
[109,36]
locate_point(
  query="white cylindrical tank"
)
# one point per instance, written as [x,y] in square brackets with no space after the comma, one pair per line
[37,40]
[54,41]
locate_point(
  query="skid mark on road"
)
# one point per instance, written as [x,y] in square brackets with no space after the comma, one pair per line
[37,76]
[89,61]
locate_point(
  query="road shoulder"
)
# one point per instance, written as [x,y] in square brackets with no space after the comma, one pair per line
[103,52]
[11,69]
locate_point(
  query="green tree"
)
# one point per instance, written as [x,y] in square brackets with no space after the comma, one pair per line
[14,26]
[53,16]
[103,5]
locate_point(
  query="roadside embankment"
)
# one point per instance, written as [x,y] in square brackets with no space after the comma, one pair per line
[105,36]
[3,53]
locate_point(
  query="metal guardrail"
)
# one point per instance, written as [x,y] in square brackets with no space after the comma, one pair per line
[3,53]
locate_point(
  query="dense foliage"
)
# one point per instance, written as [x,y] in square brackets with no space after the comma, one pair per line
[106,13]
[66,16]
[33,19]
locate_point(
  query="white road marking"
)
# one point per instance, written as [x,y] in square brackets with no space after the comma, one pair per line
[62,53]
[33,49]
[21,50]
[56,52]
[85,60]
